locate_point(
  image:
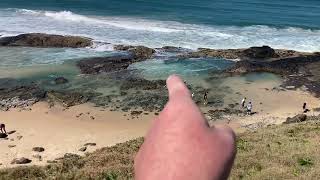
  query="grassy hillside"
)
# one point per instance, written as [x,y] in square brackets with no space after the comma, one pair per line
[277,152]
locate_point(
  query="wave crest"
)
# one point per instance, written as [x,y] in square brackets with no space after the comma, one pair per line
[154,33]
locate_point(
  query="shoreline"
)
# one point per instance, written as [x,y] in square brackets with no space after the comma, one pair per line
[111,104]
[62,130]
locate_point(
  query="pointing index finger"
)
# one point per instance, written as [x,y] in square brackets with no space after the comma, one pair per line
[177,88]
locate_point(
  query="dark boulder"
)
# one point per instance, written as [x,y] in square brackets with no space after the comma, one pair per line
[141,52]
[38,149]
[104,64]
[263,52]
[60,80]
[45,40]
[21,161]
[138,53]
[296,119]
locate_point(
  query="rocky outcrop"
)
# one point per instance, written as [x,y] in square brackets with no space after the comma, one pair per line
[264,52]
[138,53]
[252,53]
[142,84]
[215,53]
[67,99]
[286,66]
[20,96]
[141,53]
[296,119]
[45,40]
[22,92]
[104,64]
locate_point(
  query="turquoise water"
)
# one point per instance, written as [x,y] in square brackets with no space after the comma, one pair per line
[187,68]
[25,56]
[189,24]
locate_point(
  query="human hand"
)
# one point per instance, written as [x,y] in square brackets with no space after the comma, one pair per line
[181,145]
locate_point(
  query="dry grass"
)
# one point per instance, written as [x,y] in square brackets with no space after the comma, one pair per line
[277,152]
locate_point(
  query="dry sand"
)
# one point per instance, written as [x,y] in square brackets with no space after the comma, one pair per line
[60,131]
[272,106]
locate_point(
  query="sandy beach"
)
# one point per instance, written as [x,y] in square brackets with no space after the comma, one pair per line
[60,131]
[65,130]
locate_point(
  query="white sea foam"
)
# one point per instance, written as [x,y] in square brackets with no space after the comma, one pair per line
[28,11]
[125,23]
[153,33]
[100,46]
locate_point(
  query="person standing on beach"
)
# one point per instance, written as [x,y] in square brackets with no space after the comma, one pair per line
[304,107]
[3,128]
[249,108]
[243,102]
[181,145]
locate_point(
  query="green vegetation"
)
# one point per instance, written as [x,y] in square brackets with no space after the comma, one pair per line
[277,152]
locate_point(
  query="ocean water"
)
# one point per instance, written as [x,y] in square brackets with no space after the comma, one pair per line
[191,24]
[293,24]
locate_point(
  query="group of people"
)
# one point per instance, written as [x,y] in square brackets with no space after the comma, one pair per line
[248,106]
